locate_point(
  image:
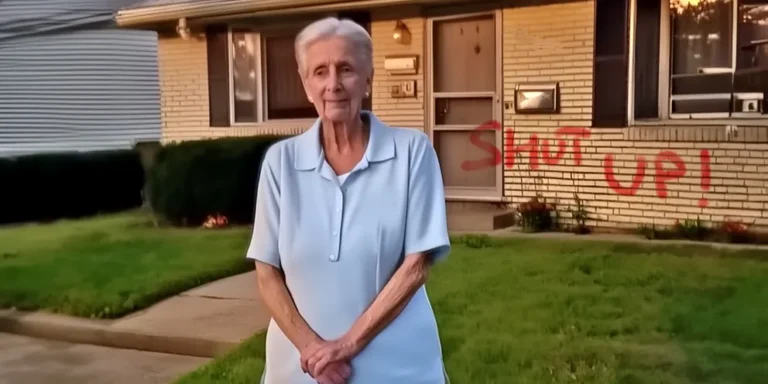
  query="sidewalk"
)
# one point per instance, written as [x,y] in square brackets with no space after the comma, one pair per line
[206,322]
[30,360]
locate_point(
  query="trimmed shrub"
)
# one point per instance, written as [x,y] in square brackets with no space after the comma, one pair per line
[46,187]
[193,180]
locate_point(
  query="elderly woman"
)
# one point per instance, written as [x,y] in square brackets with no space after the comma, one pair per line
[350,215]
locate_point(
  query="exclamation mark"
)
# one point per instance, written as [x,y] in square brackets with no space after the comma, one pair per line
[706,178]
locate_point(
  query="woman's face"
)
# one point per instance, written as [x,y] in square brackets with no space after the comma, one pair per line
[336,80]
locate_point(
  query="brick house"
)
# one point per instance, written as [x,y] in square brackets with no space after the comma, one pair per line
[649,110]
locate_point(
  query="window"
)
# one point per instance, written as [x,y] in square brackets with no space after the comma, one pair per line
[286,97]
[700,58]
[265,81]
[253,76]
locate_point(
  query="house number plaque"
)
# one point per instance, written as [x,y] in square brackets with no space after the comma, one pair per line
[403,90]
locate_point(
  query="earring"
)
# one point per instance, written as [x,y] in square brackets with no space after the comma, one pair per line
[367,94]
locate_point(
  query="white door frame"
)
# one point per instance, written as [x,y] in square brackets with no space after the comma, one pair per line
[468,193]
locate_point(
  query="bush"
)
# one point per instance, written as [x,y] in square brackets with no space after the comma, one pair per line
[196,179]
[54,186]
[475,240]
[536,216]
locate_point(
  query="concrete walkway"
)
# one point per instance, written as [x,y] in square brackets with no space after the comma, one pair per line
[206,322]
[228,310]
[36,361]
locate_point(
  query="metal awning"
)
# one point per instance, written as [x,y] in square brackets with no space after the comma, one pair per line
[156,12]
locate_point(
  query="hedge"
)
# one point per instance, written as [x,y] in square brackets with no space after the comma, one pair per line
[193,180]
[46,187]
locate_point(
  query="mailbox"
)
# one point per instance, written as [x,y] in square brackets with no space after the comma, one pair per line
[401,65]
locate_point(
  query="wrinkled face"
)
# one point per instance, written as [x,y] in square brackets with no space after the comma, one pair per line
[336,79]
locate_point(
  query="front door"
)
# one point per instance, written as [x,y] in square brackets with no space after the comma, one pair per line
[464,93]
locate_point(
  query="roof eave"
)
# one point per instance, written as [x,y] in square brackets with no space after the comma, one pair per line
[153,15]
[210,10]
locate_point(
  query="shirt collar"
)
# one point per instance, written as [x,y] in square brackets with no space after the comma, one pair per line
[309,151]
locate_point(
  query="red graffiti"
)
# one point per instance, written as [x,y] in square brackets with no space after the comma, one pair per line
[474,138]
[550,159]
[637,178]
[668,165]
[577,133]
[531,146]
[664,175]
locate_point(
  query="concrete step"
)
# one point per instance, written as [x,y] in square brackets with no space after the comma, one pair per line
[478,216]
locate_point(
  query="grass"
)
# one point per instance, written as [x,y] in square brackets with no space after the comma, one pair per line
[549,311]
[110,265]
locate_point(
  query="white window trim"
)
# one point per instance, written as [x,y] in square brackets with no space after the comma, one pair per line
[261,113]
[664,97]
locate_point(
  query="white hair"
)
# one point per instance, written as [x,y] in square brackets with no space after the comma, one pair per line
[331,27]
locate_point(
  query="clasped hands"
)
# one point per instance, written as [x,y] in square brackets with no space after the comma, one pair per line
[328,362]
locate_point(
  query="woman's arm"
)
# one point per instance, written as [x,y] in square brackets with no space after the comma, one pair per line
[391,301]
[264,250]
[279,302]
[426,242]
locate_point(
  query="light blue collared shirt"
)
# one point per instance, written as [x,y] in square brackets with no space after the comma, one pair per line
[339,243]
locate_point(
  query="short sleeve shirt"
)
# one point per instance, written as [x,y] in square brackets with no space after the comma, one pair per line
[338,242]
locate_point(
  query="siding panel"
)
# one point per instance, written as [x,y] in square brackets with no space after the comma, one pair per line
[29,17]
[80,90]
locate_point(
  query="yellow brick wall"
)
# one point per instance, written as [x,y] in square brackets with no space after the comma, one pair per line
[554,43]
[540,43]
[184,85]
[183,88]
[183,69]
[401,112]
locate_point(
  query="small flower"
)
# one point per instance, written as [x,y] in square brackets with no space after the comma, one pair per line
[215,221]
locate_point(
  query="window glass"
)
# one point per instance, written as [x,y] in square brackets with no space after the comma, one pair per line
[245,87]
[701,36]
[286,98]
[752,34]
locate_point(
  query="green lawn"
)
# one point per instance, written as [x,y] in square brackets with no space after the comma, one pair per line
[110,265]
[548,311]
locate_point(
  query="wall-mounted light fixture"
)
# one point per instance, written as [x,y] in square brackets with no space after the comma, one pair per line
[401,34]
[182,30]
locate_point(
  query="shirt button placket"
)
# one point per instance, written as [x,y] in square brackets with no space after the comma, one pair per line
[337,221]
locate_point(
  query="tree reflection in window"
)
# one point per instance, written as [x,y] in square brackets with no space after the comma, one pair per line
[701,35]
[244,79]
[752,35]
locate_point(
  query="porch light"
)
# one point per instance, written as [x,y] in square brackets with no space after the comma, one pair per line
[401,34]
[181,28]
